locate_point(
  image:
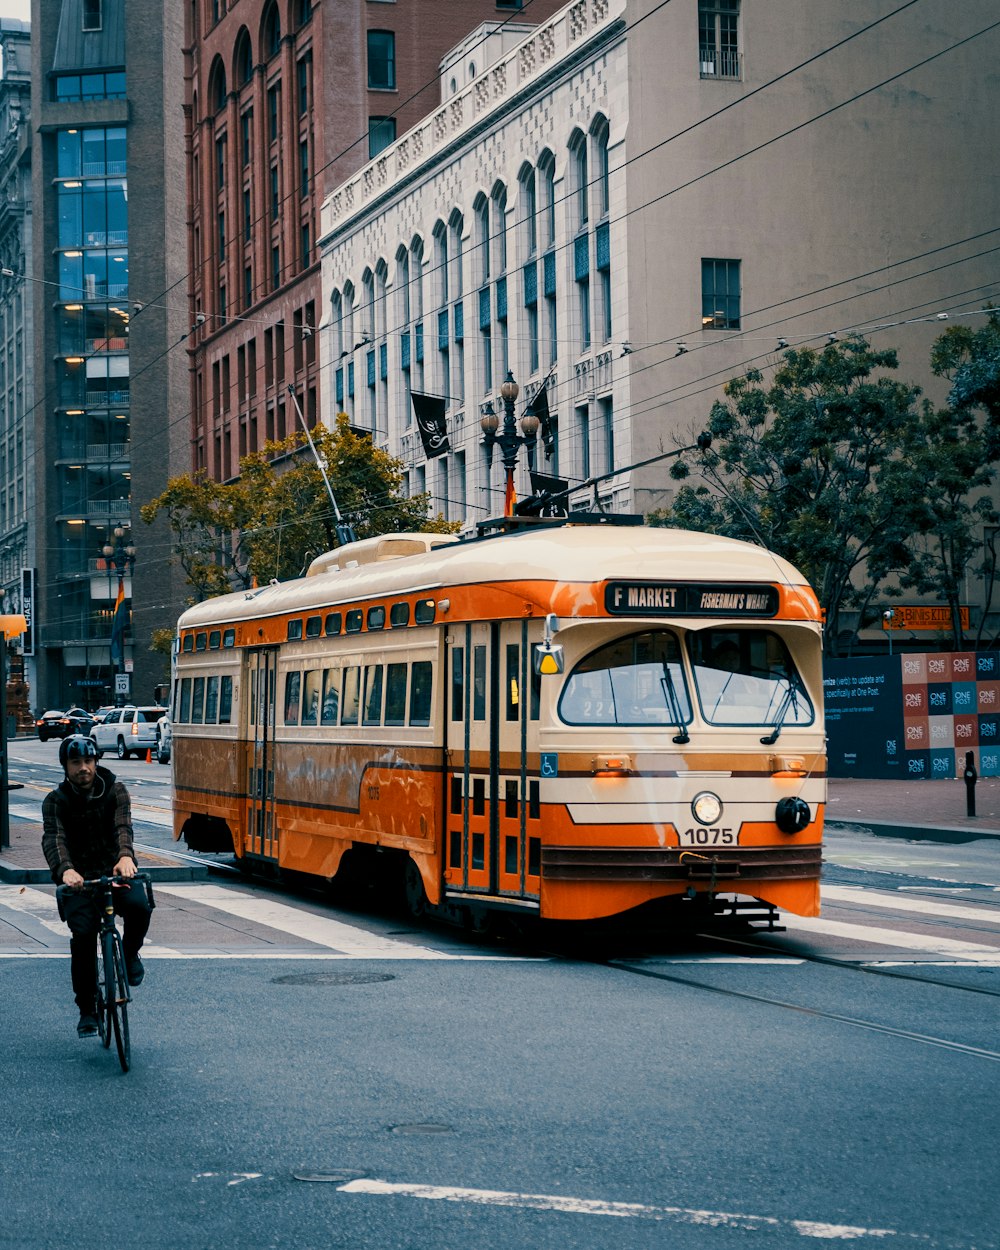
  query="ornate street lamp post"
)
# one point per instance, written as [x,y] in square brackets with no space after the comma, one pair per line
[119,556]
[508,438]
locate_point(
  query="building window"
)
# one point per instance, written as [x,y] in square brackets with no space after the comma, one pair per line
[271,31]
[720,294]
[304,167]
[382,60]
[92,16]
[273,111]
[305,79]
[246,137]
[718,38]
[381,132]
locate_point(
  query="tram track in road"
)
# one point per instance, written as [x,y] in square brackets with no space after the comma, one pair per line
[849,964]
[873,1026]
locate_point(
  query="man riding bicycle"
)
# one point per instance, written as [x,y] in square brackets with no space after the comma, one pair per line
[87,833]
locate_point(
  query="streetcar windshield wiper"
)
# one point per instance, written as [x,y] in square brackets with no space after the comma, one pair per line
[674,704]
[788,701]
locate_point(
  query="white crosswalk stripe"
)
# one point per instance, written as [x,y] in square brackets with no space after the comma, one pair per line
[299,933]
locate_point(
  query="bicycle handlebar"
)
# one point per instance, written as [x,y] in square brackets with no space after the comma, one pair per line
[109,880]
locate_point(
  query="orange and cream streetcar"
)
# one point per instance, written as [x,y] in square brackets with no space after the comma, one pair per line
[568,719]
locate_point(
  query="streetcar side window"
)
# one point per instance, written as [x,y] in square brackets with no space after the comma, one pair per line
[747,677]
[314,626]
[373,694]
[198,701]
[420,693]
[513,680]
[185,708]
[334,623]
[226,700]
[457,683]
[479,683]
[293,682]
[229,638]
[331,696]
[352,696]
[399,614]
[395,694]
[211,700]
[635,680]
[214,639]
[310,696]
[294,630]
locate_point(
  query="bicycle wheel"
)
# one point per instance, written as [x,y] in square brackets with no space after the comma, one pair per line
[105,987]
[119,1011]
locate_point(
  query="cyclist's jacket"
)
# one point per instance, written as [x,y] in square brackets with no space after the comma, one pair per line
[87,832]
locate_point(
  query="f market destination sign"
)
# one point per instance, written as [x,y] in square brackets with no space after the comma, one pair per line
[689,599]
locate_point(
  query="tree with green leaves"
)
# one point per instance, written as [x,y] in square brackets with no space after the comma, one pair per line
[805,467]
[278,515]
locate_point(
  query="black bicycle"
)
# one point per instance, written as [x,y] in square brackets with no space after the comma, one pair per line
[113,994]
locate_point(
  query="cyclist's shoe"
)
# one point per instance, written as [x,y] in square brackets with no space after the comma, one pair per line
[87,1026]
[134,970]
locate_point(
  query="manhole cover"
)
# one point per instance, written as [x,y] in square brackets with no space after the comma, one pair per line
[332,978]
[427,1129]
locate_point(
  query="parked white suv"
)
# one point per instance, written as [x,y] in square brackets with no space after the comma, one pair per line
[128,731]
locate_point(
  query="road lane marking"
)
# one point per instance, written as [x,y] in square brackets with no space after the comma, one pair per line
[620,1210]
[897,902]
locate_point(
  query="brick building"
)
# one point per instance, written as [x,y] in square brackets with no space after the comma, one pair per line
[284,101]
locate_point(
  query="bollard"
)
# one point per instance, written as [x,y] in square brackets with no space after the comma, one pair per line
[970,785]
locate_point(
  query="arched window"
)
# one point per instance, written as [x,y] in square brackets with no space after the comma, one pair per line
[547,197]
[527,211]
[217,85]
[368,306]
[270,32]
[417,279]
[243,58]
[498,211]
[599,131]
[381,278]
[481,208]
[581,179]
[403,285]
[347,308]
[336,326]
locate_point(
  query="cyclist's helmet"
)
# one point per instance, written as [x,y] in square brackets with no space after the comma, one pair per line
[77,747]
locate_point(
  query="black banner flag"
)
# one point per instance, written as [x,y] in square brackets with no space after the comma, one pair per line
[429,411]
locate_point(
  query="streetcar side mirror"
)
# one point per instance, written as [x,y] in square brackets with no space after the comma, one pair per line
[549,657]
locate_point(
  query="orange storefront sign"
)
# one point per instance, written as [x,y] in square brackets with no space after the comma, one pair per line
[923,616]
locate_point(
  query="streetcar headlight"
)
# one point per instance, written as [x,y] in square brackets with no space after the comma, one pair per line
[706,808]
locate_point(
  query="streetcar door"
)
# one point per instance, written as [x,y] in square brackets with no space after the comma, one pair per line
[491,846]
[517,808]
[262,839]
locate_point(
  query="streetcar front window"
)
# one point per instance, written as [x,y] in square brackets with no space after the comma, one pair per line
[637,680]
[747,677]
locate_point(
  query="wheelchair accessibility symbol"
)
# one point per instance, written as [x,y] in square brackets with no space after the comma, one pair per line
[550,764]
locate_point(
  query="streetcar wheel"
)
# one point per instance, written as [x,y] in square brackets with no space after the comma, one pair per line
[416,895]
[122,753]
[119,1014]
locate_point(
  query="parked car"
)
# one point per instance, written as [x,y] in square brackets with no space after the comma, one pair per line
[164,738]
[101,712]
[128,730]
[76,720]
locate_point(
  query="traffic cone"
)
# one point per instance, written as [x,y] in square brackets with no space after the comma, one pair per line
[149,755]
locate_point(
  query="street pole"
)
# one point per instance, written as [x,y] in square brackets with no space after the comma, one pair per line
[10,627]
[508,438]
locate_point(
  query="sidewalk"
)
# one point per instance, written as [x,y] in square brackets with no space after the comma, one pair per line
[918,809]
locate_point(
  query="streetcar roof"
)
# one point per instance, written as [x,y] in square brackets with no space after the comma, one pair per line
[564,554]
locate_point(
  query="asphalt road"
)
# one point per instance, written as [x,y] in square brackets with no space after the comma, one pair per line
[313,1077]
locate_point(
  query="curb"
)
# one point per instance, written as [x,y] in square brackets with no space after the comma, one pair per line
[14,874]
[914,832]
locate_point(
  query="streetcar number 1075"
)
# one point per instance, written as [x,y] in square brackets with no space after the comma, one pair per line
[708,837]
